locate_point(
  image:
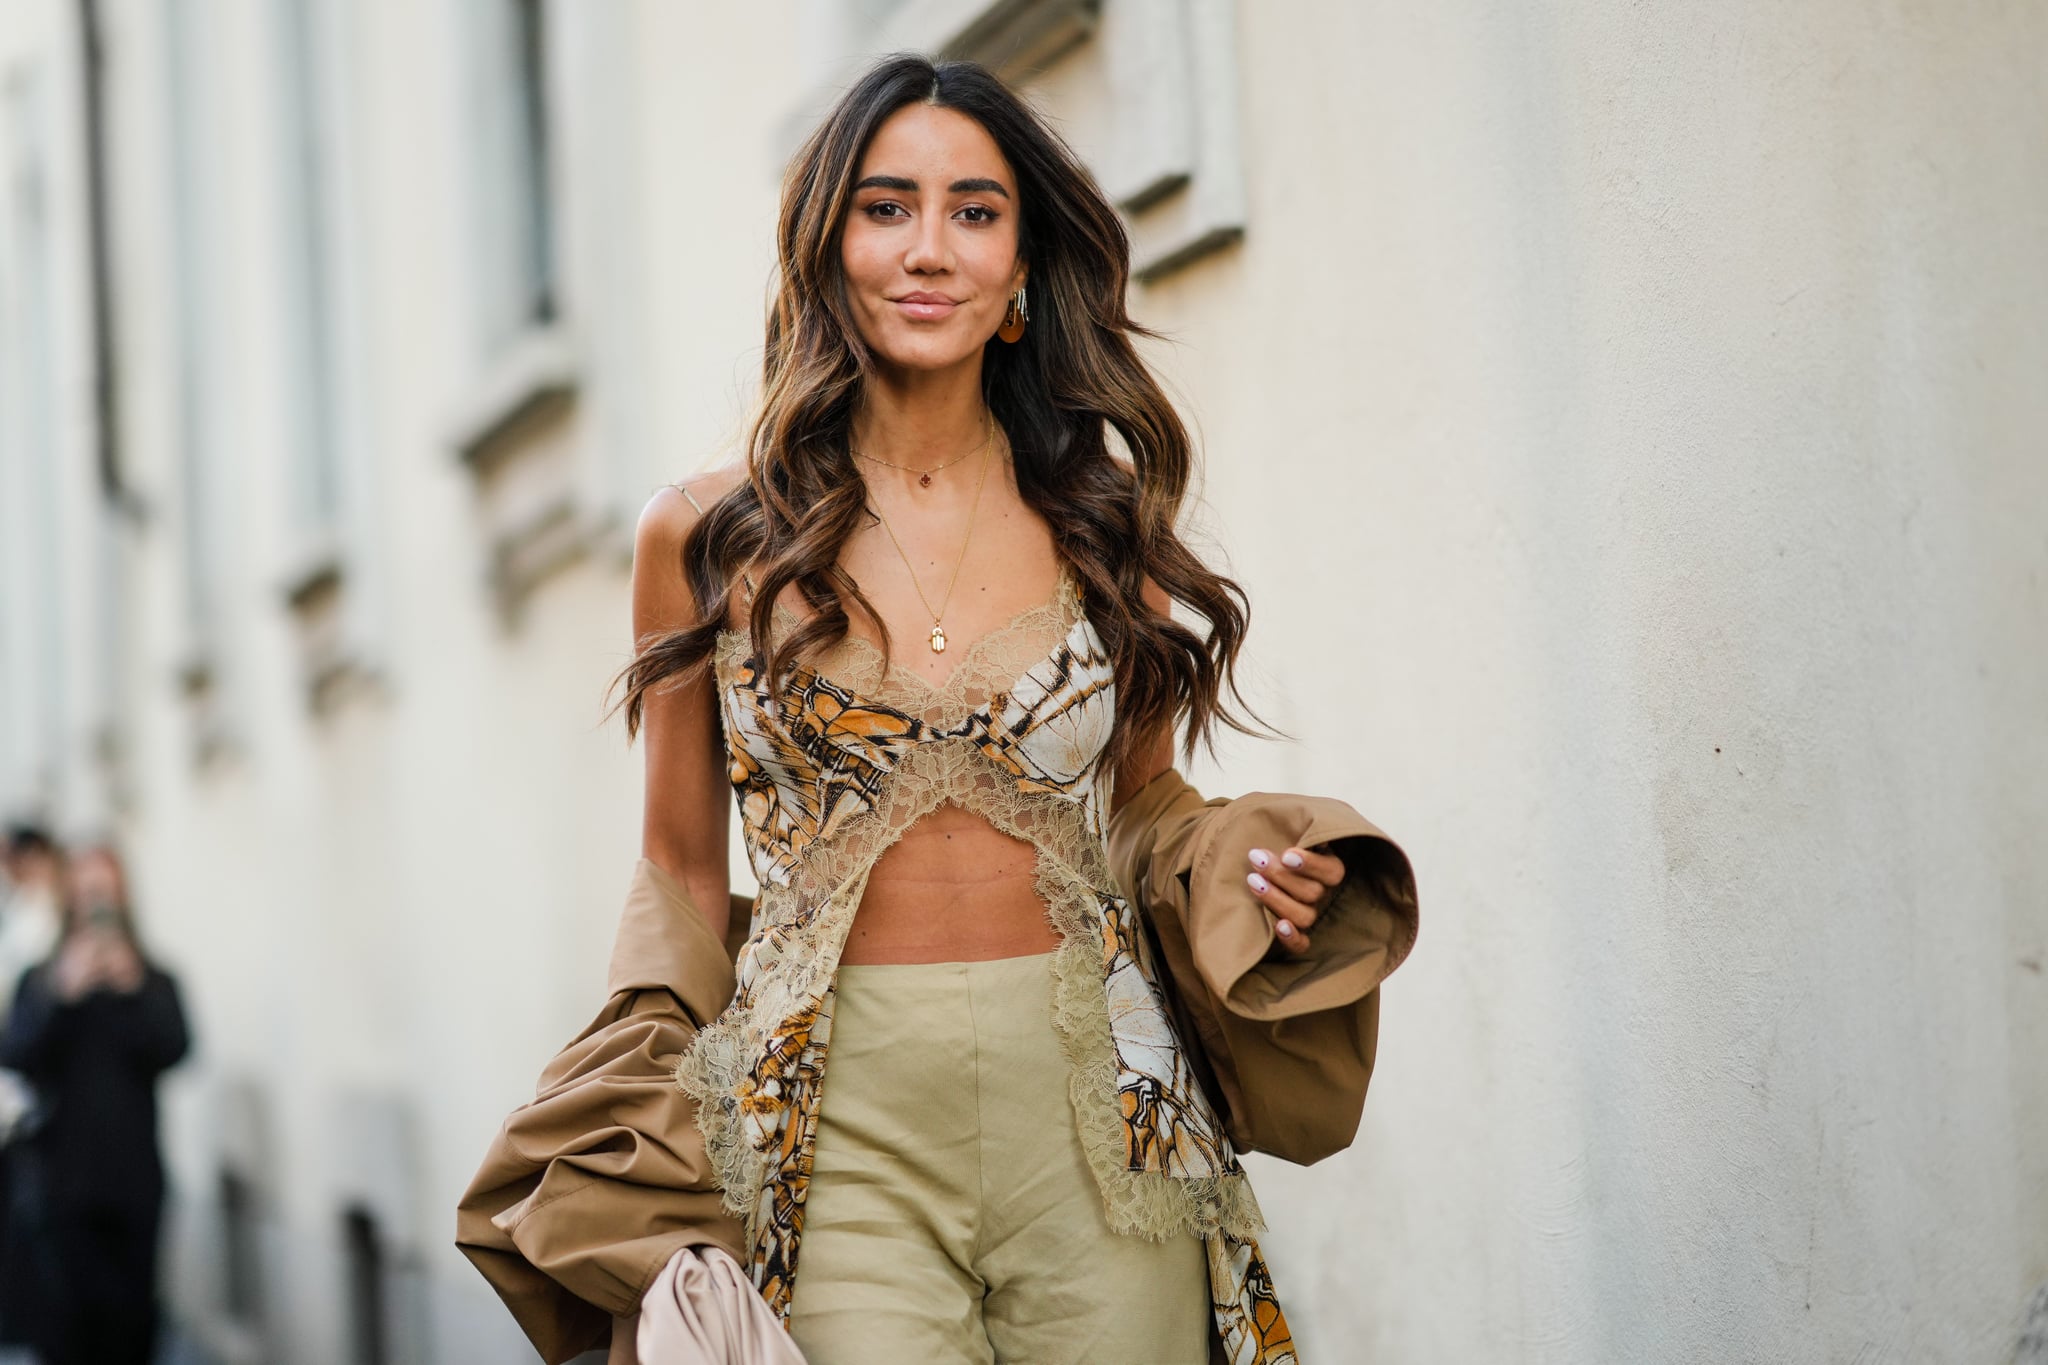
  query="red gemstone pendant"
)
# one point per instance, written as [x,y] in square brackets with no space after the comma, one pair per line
[925,480]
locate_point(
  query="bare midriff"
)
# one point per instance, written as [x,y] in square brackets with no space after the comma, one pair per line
[953,889]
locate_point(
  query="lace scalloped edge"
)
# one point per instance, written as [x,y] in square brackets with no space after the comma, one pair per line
[710,1072]
[1136,1203]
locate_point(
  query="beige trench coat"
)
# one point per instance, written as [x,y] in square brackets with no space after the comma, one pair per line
[587,1192]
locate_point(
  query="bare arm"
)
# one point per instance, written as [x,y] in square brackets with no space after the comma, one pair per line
[688,803]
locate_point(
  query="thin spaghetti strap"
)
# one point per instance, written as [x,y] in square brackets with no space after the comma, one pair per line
[701,512]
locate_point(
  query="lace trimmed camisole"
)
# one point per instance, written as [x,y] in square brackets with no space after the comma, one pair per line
[855,752]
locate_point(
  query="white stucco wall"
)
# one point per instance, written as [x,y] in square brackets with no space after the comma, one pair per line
[1628,427]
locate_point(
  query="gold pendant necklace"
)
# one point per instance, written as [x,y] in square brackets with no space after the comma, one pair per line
[924,476]
[938,636]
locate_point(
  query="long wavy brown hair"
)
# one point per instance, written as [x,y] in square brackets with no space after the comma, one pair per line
[1074,377]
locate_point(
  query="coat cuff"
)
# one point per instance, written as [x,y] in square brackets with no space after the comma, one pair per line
[663,943]
[1166,841]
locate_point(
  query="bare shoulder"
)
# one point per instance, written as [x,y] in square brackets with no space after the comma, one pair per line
[661,595]
[675,507]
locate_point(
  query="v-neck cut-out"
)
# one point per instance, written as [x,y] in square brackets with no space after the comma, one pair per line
[937,692]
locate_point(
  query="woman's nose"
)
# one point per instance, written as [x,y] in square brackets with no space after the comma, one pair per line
[928,252]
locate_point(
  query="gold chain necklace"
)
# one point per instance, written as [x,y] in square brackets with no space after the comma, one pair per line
[924,476]
[938,636]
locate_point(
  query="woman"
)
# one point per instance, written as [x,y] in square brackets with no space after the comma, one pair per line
[92,1029]
[925,633]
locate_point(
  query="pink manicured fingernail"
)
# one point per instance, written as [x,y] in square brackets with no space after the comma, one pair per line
[1291,858]
[1258,883]
[1260,858]
[1285,929]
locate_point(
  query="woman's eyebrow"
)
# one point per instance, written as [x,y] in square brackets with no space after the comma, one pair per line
[903,184]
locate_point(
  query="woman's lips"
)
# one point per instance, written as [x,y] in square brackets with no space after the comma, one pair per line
[925,307]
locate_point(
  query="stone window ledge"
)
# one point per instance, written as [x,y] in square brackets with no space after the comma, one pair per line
[213,742]
[313,573]
[518,434]
[531,381]
[332,664]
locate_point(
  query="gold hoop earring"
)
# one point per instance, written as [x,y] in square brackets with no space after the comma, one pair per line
[1019,314]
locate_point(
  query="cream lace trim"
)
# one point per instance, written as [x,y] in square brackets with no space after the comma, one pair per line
[785,972]
[1144,1203]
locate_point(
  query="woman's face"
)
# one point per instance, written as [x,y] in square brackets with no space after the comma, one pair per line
[930,246]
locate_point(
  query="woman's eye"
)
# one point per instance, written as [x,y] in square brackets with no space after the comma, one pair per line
[978,213]
[885,209]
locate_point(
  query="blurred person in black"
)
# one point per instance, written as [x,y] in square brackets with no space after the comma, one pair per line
[30,867]
[92,1029]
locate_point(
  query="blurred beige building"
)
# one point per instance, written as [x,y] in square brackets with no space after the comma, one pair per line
[1629,421]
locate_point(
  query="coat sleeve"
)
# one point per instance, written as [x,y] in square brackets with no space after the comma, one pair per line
[1288,1042]
[588,1191]
[157,1035]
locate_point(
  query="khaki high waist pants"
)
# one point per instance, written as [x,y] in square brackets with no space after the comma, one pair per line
[952,1216]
